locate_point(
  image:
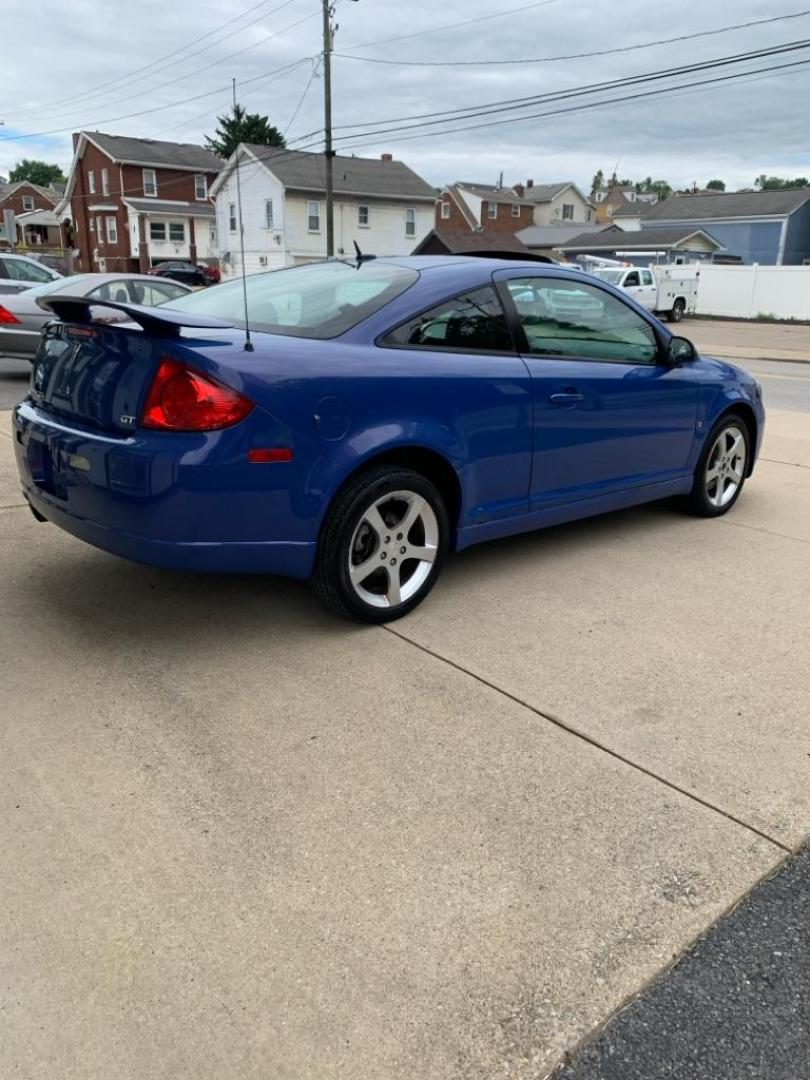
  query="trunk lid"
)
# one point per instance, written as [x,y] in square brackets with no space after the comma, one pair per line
[94,374]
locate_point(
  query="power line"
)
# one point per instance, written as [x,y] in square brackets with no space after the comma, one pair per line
[451,26]
[310,80]
[511,104]
[575,56]
[122,80]
[796,64]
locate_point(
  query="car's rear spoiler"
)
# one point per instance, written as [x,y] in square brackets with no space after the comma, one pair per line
[163,322]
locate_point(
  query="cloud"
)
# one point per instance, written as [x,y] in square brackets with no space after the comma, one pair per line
[88,53]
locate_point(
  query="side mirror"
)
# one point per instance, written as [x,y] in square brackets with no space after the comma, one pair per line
[681,351]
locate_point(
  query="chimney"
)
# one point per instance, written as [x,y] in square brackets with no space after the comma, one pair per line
[518,190]
[386,157]
[530,183]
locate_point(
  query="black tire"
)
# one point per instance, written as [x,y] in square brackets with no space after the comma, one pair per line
[677,312]
[331,580]
[699,501]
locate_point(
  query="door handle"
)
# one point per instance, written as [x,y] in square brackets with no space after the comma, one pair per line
[568,398]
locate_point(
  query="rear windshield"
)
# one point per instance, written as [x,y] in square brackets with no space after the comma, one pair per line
[320,300]
[63,284]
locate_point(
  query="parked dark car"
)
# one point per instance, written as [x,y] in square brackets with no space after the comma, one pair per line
[184,272]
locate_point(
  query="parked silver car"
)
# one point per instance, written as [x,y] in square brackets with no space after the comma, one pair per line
[17,273]
[21,318]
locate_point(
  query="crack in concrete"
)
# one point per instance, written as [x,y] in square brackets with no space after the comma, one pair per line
[595,743]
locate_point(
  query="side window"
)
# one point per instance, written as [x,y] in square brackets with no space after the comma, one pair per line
[646,277]
[111,290]
[24,271]
[572,319]
[474,321]
[631,279]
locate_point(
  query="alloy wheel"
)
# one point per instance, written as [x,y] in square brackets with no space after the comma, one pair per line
[725,466]
[393,549]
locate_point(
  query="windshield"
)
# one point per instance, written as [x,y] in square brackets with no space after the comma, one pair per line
[65,285]
[612,277]
[319,300]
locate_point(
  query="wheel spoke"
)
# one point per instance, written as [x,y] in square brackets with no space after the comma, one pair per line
[737,470]
[713,474]
[373,518]
[361,571]
[393,594]
[736,445]
[421,552]
[719,491]
[414,511]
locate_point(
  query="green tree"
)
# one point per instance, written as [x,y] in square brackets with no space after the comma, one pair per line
[777,183]
[36,172]
[716,185]
[240,126]
[598,181]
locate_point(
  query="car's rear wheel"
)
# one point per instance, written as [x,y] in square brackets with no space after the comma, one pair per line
[721,471]
[677,312]
[382,545]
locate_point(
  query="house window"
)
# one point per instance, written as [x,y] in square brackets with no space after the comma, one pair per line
[588,215]
[314,216]
[445,211]
[515,210]
[268,213]
[200,186]
[105,182]
[100,229]
[232,217]
[157,230]
[177,232]
[91,182]
[568,211]
[410,222]
[112,230]
[492,210]
[92,224]
[28,202]
[149,182]
[362,217]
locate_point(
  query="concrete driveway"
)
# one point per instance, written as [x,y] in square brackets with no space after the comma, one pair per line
[243,839]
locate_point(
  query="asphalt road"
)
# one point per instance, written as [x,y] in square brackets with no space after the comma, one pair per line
[738,1005]
[785,385]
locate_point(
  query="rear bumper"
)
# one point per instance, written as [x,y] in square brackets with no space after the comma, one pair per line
[185,501]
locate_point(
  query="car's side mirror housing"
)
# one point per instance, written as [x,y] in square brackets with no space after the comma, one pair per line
[680,351]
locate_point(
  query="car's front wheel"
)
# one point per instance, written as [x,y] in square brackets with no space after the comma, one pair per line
[722,468]
[382,545]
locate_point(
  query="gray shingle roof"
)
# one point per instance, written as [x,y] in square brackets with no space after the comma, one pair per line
[458,242]
[728,205]
[359,176]
[613,239]
[551,235]
[543,193]
[187,209]
[152,152]
[633,208]
[491,193]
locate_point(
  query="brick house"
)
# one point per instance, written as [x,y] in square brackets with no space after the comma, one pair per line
[465,207]
[137,202]
[620,199]
[26,199]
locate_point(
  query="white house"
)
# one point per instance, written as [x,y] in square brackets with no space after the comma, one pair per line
[379,203]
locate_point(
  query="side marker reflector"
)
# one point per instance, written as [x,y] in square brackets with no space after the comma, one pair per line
[272,453]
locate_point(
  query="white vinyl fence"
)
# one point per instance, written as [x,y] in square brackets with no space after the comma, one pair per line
[746,292]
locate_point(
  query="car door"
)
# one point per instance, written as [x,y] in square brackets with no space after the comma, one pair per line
[631,284]
[647,294]
[609,414]
[463,370]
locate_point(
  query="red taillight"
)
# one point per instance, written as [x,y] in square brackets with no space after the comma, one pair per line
[6,318]
[266,454]
[181,399]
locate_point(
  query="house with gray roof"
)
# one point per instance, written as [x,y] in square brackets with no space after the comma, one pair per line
[379,203]
[767,227]
[135,203]
[671,244]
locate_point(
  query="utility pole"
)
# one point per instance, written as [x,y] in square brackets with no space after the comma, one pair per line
[327,124]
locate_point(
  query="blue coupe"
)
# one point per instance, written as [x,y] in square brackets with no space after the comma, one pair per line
[376,417]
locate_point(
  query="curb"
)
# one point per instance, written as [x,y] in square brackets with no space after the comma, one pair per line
[754,359]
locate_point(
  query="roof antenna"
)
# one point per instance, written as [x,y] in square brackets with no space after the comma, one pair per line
[361,258]
[248,342]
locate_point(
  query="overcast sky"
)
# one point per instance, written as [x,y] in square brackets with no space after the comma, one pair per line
[71,65]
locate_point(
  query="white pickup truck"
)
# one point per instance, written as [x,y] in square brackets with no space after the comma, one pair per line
[670,291]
